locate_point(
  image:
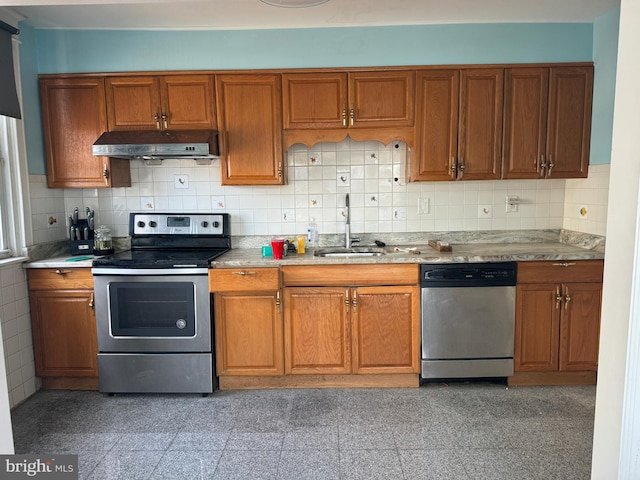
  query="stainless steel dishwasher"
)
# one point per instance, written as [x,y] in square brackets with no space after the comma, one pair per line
[468,320]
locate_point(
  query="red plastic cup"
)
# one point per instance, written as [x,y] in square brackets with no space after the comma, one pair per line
[277,245]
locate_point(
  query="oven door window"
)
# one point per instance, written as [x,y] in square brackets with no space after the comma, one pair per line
[152,309]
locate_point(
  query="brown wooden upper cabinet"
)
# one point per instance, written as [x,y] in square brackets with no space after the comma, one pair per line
[348,100]
[547,121]
[250,123]
[73,117]
[325,106]
[459,125]
[168,102]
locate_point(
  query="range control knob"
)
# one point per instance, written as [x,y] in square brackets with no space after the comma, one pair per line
[153,224]
[141,224]
[216,224]
[205,224]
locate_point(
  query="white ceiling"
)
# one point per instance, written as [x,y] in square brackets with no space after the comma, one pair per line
[253,14]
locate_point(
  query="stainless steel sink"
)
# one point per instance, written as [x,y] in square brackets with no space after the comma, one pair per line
[349,252]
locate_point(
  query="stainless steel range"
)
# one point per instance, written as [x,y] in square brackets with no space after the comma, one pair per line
[153,307]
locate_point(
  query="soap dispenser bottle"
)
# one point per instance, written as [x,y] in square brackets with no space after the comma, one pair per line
[312,234]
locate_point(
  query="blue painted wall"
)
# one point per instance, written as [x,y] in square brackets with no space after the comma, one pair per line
[605,54]
[64,51]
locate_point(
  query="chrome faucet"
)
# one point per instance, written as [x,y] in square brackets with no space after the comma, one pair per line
[347,226]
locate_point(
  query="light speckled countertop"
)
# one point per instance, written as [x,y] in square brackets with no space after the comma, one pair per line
[66,261]
[471,252]
[462,252]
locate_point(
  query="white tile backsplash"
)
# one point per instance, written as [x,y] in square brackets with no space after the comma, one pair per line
[318,179]
[16,333]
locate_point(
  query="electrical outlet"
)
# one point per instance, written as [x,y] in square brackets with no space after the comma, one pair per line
[485,211]
[423,205]
[511,203]
[400,213]
[288,215]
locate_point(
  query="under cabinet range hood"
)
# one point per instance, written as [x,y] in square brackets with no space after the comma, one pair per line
[154,146]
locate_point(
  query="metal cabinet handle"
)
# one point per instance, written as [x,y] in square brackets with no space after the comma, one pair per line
[280,170]
[61,272]
[91,302]
[563,264]
[346,300]
[558,297]
[105,173]
[543,165]
[454,167]
[156,117]
[461,168]
[352,115]
[165,123]
[243,273]
[344,117]
[551,165]
[355,301]
[567,297]
[278,304]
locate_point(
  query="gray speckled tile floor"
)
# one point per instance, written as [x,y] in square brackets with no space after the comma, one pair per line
[459,431]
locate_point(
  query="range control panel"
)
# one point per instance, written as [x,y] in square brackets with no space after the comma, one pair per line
[177,224]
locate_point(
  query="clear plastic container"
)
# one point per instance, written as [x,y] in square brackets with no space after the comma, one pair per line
[102,242]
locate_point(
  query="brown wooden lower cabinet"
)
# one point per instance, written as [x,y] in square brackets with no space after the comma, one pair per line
[334,330]
[557,322]
[316,335]
[64,327]
[248,321]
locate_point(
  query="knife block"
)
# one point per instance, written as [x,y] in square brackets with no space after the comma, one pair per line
[82,246]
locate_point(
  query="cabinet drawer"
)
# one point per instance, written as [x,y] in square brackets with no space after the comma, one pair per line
[350,275]
[560,271]
[244,279]
[60,279]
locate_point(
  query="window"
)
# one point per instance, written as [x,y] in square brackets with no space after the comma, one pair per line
[12,241]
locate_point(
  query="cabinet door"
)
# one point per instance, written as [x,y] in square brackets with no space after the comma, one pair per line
[537,328]
[381,99]
[316,331]
[249,111]
[315,100]
[133,103]
[386,332]
[248,330]
[73,117]
[64,333]
[525,122]
[187,102]
[436,125]
[480,126]
[569,130]
[580,327]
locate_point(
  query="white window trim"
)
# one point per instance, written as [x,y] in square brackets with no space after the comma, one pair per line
[14,180]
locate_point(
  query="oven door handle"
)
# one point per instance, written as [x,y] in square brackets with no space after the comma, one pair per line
[122,272]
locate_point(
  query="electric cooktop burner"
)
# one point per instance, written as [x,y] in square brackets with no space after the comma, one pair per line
[166,240]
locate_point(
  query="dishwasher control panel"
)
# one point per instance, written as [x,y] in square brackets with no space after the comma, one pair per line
[468,274]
